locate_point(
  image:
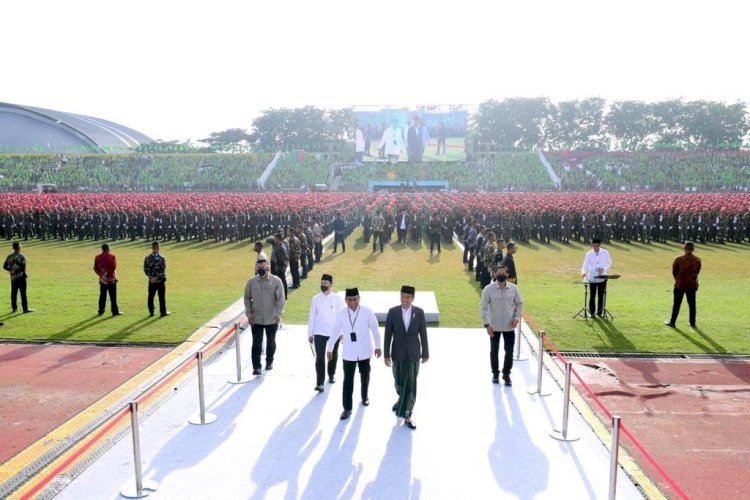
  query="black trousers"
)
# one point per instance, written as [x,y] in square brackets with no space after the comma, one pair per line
[320,358]
[466,252]
[434,238]
[257,347]
[338,238]
[318,251]
[377,236]
[597,292]
[294,270]
[678,294]
[153,289]
[485,278]
[401,235]
[110,288]
[364,378]
[509,340]
[281,274]
[470,260]
[18,285]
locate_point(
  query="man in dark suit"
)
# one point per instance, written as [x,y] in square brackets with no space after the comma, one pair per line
[405,345]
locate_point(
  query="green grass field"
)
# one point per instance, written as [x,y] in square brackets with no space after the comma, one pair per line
[204,278]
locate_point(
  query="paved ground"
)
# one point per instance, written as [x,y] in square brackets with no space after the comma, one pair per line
[41,386]
[691,415]
[277,438]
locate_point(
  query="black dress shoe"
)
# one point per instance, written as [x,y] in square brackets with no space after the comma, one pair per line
[256,371]
[345,414]
[331,379]
[366,402]
[394,407]
[27,311]
[151,313]
[269,367]
[165,314]
[693,325]
[507,381]
[495,380]
[411,425]
[100,312]
[118,313]
[669,324]
[319,388]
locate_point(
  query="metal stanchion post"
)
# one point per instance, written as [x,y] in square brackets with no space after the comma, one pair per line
[202,418]
[562,434]
[613,457]
[517,356]
[141,488]
[540,368]
[239,379]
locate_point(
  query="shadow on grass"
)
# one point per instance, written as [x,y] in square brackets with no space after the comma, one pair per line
[134,327]
[709,347]
[117,336]
[78,327]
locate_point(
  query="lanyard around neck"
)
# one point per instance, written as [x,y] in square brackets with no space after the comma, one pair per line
[350,317]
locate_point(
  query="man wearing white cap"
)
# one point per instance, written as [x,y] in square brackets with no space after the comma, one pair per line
[264,305]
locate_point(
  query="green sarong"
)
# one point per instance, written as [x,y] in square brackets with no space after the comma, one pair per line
[405,374]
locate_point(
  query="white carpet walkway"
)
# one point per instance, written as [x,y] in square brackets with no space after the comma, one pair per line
[277,438]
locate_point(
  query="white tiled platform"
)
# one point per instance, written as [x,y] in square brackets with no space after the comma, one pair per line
[380,302]
[277,438]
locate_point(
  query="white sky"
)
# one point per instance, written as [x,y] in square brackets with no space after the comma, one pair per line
[182,69]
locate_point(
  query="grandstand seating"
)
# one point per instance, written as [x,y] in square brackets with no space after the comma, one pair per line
[133,172]
[702,171]
[298,170]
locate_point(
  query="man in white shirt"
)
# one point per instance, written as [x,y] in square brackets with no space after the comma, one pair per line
[403,226]
[358,328]
[359,145]
[323,309]
[392,141]
[596,263]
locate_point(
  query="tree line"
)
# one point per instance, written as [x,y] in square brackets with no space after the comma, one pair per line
[509,124]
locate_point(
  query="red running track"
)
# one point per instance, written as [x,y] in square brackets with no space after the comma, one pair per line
[691,416]
[42,386]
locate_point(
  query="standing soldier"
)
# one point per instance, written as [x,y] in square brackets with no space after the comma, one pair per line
[488,260]
[339,233]
[317,231]
[279,260]
[310,245]
[15,264]
[295,251]
[105,266]
[378,226]
[509,263]
[436,226]
[155,267]
[304,248]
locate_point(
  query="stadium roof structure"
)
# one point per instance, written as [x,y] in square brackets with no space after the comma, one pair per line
[27,129]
